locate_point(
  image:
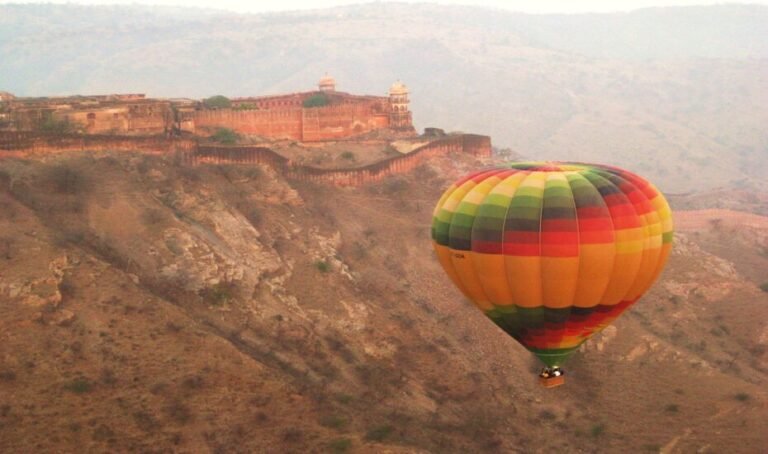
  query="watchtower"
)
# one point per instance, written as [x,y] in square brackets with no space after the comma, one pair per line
[400,115]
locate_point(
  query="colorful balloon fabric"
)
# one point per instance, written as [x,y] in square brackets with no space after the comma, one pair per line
[552,252]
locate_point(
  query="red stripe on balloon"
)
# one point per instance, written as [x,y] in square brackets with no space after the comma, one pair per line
[487,247]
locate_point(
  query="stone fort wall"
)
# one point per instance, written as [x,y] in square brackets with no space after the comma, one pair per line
[25,145]
[302,124]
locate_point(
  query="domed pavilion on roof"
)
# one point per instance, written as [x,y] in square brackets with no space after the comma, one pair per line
[327,83]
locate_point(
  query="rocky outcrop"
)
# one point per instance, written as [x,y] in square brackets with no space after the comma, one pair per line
[43,293]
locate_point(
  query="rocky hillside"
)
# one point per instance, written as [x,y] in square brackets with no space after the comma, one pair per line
[676,93]
[146,306]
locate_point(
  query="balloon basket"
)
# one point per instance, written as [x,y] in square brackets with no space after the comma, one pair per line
[552,382]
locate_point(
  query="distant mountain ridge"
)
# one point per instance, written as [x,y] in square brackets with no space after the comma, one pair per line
[669,92]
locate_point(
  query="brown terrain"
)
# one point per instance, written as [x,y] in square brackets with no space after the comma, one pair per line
[150,306]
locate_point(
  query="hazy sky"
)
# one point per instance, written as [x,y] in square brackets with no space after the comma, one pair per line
[540,6]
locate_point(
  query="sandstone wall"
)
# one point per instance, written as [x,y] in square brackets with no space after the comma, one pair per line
[340,121]
[285,124]
[297,123]
[21,144]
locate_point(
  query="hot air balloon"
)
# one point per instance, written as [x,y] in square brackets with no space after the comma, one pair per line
[552,252]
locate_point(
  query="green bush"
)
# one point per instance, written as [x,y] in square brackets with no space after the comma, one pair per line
[322,266]
[218,294]
[597,430]
[764,286]
[348,155]
[317,100]
[225,136]
[340,445]
[217,102]
[333,421]
[79,385]
[672,408]
[742,397]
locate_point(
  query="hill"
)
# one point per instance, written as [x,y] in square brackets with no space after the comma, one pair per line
[677,94]
[149,306]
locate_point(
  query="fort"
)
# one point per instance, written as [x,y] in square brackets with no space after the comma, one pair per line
[311,116]
[182,128]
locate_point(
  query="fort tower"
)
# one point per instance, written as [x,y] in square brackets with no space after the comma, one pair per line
[400,116]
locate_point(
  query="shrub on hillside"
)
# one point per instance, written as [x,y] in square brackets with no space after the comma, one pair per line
[79,386]
[225,136]
[333,421]
[322,266]
[67,180]
[742,397]
[218,294]
[340,445]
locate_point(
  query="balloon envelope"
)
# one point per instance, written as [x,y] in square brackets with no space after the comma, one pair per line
[552,252]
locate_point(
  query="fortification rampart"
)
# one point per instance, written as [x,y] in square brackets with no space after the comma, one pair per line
[21,144]
[472,144]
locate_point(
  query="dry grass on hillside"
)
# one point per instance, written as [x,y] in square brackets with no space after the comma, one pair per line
[148,306]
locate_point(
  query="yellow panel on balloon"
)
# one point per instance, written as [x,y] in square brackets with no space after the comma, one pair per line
[492,273]
[524,277]
[561,275]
